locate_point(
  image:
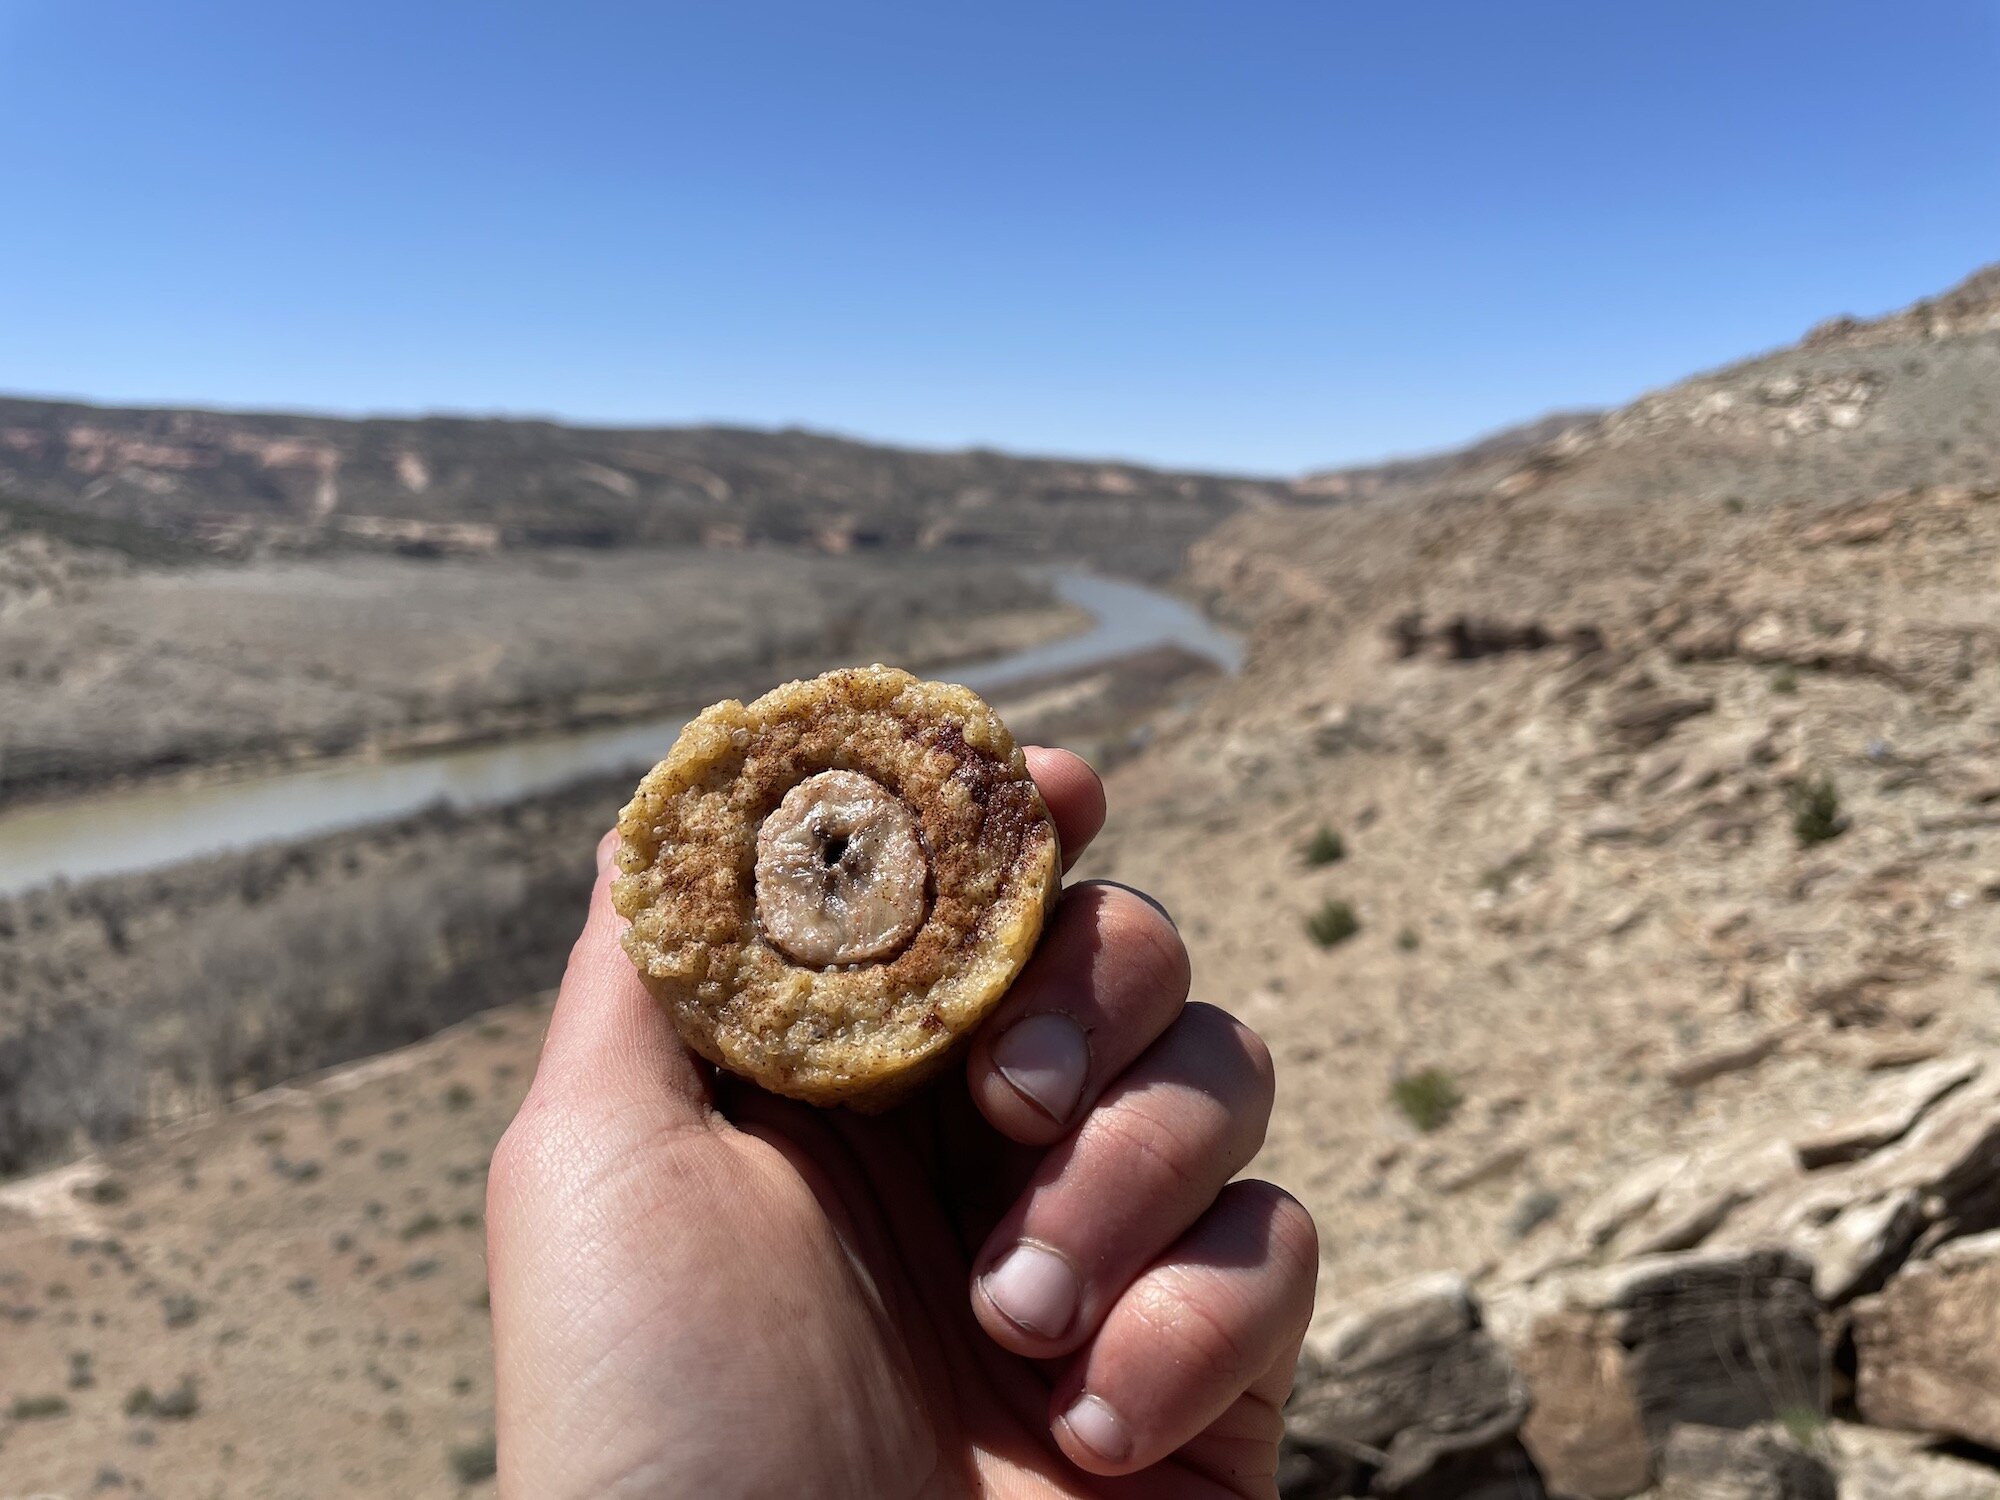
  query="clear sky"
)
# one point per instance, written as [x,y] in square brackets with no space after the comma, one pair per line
[1254,234]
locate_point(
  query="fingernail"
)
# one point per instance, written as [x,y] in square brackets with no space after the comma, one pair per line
[1045,1058]
[1034,1288]
[1094,1424]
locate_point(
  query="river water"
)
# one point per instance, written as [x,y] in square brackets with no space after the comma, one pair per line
[148,826]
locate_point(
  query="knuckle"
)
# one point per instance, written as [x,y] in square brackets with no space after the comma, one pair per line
[1164,1145]
[1206,1349]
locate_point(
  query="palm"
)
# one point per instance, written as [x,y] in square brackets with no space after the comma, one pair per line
[831,1277]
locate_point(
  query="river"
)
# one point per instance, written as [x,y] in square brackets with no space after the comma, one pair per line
[144,827]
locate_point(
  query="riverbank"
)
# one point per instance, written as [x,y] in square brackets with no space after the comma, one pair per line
[150,676]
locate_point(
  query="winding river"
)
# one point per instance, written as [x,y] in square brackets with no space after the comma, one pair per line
[149,826]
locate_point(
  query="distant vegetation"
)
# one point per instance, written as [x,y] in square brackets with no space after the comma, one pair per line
[1816,814]
[1427,1099]
[131,538]
[234,973]
[1334,923]
[1325,847]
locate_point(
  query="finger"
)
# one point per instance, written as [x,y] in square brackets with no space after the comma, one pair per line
[1212,1319]
[1144,1165]
[1073,795]
[1109,977]
[1239,1449]
[608,1039]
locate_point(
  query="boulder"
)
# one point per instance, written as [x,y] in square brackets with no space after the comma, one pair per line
[1408,1396]
[1619,1357]
[1927,1347]
[1718,1463]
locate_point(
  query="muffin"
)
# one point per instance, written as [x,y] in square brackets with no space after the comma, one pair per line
[831,886]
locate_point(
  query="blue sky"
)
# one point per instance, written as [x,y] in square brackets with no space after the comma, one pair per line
[1252,234]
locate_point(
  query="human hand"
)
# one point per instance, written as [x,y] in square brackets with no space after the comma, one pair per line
[1039,1282]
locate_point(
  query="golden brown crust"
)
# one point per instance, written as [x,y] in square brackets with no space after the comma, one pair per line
[864,1034]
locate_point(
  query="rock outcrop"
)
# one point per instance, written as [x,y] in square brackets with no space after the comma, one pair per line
[1409,1397]
[1618,1359]
[1751,1321]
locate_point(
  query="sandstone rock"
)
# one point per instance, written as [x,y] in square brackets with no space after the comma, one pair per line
[1927,1347]
[1610,827]
[1408,1396]
[1651,717]
[1347,727]
[1889,1114]
[1899,1052]
[1700,1200]
[1618,1357]
[1736,1058]
[1716,1463]
[1629,1198]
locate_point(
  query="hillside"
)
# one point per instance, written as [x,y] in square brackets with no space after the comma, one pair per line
[1423,470]
[1853,409]
[242,480]
[1568,713]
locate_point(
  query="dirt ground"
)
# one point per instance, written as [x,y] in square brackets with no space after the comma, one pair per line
[281,1301]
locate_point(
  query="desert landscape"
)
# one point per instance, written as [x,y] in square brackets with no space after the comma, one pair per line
[1603,828]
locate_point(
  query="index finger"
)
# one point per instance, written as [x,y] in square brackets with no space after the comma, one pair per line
[1073,795]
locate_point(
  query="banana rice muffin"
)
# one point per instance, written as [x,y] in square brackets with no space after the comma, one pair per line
[830,886]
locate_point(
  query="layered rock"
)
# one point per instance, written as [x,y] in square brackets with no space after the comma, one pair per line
[1409,1397]
[1617,1359]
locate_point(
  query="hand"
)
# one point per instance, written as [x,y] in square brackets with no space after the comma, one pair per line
[1038,1283]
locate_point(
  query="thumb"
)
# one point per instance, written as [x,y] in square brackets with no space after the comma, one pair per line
[609,1042]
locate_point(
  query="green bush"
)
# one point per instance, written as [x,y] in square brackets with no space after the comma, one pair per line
[1816,814]
[473,1462]
[1324,848]
[1334,923]
[1428,1099]
[1805,1426]
[1785,681]
[1408,941]
[177,1405]
[423,1224]
[29,1408]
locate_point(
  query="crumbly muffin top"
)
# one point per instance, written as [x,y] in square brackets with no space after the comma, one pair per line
[689,864]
